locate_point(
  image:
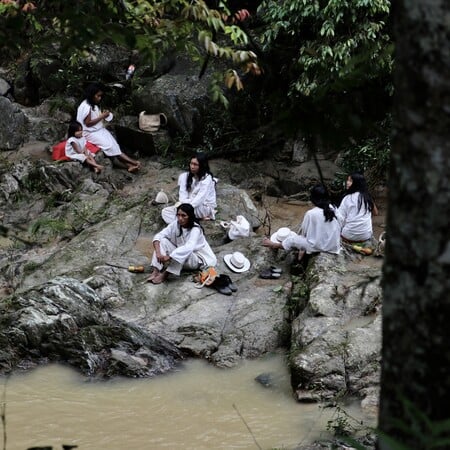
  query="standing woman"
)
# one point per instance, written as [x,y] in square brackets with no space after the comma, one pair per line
[356,209]
[181,244]
[197,187]
[91,118]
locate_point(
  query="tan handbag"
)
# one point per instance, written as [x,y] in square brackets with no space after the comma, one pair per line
[151,122]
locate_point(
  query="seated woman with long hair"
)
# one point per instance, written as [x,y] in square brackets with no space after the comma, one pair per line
[356,209]
[319,231]
[197,187]
[180,245]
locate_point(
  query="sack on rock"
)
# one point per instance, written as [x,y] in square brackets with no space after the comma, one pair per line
[238,228]
[151,122]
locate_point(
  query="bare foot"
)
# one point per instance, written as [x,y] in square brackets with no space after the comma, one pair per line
[153,275]
[133,169]
[160,277]
[97,170]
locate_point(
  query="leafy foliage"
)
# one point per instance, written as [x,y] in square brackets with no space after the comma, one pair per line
[329,46]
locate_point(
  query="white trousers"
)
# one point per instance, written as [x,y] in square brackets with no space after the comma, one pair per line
[193,262]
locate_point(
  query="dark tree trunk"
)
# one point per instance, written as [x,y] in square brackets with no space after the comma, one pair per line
[416,309]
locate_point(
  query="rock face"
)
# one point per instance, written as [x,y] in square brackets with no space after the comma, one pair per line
[62,296]
[13,126]
[335,342]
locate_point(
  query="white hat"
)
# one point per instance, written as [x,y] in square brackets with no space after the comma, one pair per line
[280,235]
[161,197]
[237,262]
[109,117]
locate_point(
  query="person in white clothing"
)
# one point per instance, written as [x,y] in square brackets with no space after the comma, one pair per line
[179,245]
[196,187]
[356,209]
[75,148]
[91,118]
[319,231]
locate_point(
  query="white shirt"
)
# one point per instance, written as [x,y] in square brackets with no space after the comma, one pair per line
[202,192]
[316,234]
[356,225]
[83,111]
[191,241]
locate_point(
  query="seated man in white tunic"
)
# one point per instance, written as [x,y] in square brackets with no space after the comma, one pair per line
[319,232]
[196,187]
[182,244]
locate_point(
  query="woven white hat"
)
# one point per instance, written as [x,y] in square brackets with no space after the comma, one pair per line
[280,235]
[161,197]
[237,262]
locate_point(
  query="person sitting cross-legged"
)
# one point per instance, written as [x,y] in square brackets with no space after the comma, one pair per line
[180,245]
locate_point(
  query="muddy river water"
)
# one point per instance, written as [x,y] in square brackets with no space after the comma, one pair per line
[196,407]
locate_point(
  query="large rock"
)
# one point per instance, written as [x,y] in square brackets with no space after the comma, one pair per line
[336,339]
[13,125]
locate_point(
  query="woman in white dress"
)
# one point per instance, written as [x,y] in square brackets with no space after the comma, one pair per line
[91,118]
[181,244]
[319,231]
[356,209]
[76,150]
[196,187]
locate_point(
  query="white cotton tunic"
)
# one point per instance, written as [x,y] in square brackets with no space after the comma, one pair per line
[202,196]
[356,225]
[192,242]
[70,150]
[316,234]
[97,134]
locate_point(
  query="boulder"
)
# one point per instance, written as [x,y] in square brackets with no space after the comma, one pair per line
[13,126]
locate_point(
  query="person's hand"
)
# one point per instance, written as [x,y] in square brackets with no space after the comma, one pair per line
[106,113]
[162,258]
[266,242]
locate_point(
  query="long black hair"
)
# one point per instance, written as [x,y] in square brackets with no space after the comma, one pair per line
[192,220]
[359,185]
[91,90]
[203,168]
[321,199]
[73,128]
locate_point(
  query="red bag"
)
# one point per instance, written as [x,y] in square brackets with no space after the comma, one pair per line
[59,150]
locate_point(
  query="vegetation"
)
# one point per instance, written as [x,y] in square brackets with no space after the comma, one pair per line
[322,67]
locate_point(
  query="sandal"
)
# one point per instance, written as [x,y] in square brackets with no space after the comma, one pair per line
[268,274]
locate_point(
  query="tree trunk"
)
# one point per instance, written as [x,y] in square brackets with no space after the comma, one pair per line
[416,309]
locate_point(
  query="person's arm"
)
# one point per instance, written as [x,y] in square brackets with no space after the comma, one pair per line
[181,253]
[76,147]
[266,242]
[183,194]
[201,195]
[89,122]
[161,258]
[374,209]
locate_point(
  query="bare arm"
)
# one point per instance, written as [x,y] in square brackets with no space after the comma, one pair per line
[91,122]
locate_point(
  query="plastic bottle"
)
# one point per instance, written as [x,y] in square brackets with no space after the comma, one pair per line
[136,269]
[130,72]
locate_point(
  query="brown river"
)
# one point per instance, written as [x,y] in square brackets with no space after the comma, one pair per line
[196,407]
